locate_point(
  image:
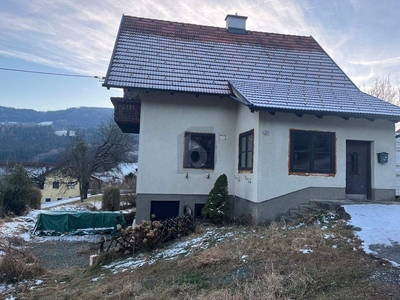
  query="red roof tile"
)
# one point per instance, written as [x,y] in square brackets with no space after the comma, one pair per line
[221,35]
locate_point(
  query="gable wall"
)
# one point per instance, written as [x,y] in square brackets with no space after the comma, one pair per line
[274,178]
[62,192]
[164,120]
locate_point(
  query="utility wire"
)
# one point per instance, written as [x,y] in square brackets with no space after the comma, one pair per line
[50,73]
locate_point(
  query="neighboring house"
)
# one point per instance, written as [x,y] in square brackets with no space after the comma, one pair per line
[65,133]
[272,111]
[57,187]
[113,177]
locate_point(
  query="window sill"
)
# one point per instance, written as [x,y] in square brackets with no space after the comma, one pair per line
[193,168]
[245,171]
[312,174]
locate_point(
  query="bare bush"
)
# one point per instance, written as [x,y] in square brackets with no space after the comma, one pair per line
[128,200]
[35,197]
[385,90]
[111,199]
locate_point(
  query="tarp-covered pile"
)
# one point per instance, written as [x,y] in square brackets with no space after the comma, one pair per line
[78,222]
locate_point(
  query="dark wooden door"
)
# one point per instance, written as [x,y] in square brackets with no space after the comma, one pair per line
[358,171]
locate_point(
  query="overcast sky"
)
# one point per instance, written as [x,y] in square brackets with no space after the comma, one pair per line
[77,37]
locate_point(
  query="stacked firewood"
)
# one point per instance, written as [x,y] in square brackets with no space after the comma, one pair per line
[149,234]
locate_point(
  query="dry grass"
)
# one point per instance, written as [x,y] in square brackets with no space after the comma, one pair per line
[7,219]
[257,263]
[88,250]
[16,266]
[97,198]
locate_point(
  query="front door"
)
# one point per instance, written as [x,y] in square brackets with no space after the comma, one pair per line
[358,170]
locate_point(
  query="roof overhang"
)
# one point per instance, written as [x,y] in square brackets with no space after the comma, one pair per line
[319,101]
[320,114]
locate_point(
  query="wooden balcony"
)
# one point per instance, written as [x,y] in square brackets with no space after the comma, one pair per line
[127,114]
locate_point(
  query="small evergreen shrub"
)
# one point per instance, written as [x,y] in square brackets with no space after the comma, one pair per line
[111,199]
[217,205]
[15,188]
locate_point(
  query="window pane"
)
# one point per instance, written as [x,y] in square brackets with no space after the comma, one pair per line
[321,144]
[322,162]
[250,142]
[246,150]
[249,159]
[243,160]
[199,152]
[301,161]
[301,143]
[312,151]
[242,144]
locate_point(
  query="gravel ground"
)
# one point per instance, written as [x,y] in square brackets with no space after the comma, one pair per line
[391,253]
[56,254]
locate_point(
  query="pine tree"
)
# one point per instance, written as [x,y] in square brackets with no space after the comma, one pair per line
[16,192]
[217,204]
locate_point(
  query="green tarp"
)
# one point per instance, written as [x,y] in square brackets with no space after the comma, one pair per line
[73,221]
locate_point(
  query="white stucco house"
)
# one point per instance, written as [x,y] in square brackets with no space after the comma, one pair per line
[271,111]
[398,163]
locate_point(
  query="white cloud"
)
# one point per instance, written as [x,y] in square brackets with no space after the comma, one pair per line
[386,62]
[78,36]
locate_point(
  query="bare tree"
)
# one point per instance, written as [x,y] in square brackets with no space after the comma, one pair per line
[81,159]
[383,89]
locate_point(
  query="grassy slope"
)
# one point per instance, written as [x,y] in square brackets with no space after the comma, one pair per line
[256,263]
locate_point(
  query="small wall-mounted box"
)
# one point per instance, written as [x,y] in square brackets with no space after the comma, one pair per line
[383,157]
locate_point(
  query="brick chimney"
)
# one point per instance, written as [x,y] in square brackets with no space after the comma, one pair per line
[236,24]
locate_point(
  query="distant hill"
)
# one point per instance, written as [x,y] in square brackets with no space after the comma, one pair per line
[27,135]
[71,118]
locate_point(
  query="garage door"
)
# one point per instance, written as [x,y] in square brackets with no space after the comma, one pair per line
[164,209]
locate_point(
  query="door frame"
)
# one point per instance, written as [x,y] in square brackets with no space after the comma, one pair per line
[368,145]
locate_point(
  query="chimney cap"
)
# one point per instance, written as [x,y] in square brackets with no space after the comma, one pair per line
[236,16]
[236,24]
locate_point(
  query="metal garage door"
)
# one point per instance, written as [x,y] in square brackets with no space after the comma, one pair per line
[164,209]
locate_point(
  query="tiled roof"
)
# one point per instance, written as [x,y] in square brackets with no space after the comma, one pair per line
[154,54]
[302,98]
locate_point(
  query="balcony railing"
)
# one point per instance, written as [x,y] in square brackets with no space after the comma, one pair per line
[127,114]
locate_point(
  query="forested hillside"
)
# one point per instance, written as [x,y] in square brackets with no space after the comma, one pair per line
[30,143]
[23,140]
[81,117]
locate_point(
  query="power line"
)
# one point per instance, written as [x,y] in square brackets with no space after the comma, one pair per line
[50,73]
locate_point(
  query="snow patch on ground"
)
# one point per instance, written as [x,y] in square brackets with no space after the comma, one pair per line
[10,288]
[379,224]
[46,205]
[305,251]
[378,227]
